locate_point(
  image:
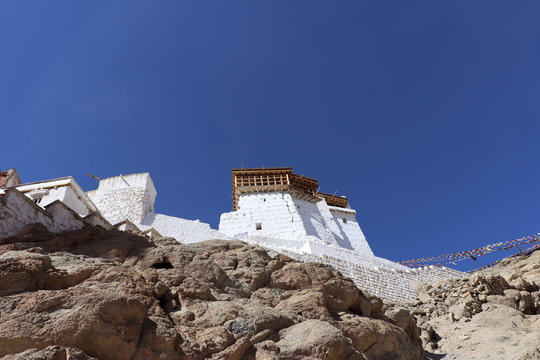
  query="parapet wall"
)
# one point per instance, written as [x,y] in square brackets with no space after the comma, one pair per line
[388,284]
[184,231]
[17,211]
[381,277]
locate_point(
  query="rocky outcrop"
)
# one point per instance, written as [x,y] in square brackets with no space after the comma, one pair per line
[494,314]
[106,294]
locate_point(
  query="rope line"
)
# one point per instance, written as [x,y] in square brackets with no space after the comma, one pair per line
[525,253]
[442,260]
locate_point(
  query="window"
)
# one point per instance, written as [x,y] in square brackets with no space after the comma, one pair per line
[344,220]
[258,226]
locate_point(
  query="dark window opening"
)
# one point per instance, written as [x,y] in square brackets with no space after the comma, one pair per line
[344,220]
[258,226]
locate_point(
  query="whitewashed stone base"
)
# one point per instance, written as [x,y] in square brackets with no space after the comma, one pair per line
[381,277]
[282,215]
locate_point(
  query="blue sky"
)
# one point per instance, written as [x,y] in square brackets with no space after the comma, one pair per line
[425,114]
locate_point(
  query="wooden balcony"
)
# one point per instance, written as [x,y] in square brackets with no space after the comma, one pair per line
[257,180]
[332,200]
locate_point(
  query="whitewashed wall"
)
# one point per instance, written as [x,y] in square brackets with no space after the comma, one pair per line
[17,211]
[275,211]
[314,221]
[349,234]
[64,217]
[64,194]
[124,197]
[131,197]
[283,216]
[380,277]
[63,189]
[389,283]
[184,231]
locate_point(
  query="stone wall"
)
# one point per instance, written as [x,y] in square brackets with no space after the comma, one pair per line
[381,277]
[264,214]
[184,231]
[124,197]
[64,194]
[281,215]
[17,211]
[63,189]
[349,233]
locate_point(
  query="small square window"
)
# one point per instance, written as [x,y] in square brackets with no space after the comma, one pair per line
[258,226]
[344,220]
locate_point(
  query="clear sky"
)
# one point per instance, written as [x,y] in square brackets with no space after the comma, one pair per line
[425,114]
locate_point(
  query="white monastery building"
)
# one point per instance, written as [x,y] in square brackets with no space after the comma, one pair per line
[272,207]
[277,203]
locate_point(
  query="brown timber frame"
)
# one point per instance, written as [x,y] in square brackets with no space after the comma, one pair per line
[255,180]
[333,200]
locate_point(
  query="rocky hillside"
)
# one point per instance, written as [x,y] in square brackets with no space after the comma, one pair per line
[97,294]
[494,314]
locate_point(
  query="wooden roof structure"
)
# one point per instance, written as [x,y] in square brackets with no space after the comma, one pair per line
[333,200]
[254,180]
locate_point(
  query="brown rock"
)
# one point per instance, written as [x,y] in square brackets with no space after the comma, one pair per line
[50,353]
[103,294]
[315,339]
[403,318]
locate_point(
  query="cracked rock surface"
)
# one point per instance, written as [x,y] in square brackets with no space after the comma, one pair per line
[97,294]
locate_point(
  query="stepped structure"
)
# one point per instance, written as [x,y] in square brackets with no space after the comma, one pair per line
[58,205]
[272,207]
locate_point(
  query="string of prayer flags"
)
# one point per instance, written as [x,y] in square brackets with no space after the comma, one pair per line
[473,253]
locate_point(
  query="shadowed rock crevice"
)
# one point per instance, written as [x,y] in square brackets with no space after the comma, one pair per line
[165,264]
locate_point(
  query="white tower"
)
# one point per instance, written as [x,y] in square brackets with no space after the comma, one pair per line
[275,202]
[124,197]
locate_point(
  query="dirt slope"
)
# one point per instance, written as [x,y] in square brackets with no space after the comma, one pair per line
[495,314]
